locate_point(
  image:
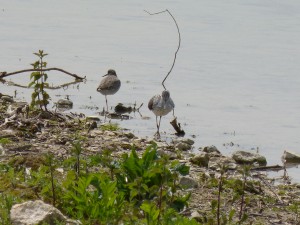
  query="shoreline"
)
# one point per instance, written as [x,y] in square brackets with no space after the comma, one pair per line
[35,133]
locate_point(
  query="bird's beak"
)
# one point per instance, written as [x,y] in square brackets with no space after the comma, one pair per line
[105,75]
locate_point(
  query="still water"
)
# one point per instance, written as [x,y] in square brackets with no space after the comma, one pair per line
[235,82]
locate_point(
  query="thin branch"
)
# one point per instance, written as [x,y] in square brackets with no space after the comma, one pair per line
[46,87]
[5,74]
[179,41]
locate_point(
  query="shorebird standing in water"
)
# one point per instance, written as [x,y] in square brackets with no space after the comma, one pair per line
[109,85]
[161,105]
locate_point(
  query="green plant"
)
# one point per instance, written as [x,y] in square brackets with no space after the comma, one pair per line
[6,202]
[51,165]
[151,183]
[77,149]
[95,198]
[110,127]
[5,141]
[39,97]
[245,172]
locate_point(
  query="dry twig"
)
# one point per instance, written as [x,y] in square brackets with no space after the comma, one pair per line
[5,74]
[179,41]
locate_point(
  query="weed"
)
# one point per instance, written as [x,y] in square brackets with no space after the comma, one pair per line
[110,127]
[39,98]
[5,141]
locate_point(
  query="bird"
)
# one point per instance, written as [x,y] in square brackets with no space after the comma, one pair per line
[161,105]
[109,85]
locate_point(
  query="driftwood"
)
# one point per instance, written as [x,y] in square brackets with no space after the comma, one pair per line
[46,87]
[179,41]
[5,74]
[78,79]
[177,127]
[264,168]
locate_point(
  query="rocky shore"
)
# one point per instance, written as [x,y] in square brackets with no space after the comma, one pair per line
[26,135]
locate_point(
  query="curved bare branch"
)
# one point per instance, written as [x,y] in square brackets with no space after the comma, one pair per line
[179,41]
[5,74]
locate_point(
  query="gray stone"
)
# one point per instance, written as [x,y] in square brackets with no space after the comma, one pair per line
[183,140]
[37,212]
[7,98]
[188,141]
[171,155]
[200,159]
[129,135]
[195,215]
[188,182]
[243,157]
[215,162]
[64,103]
[93,118]
[290,157]
[182,146]
[211,149]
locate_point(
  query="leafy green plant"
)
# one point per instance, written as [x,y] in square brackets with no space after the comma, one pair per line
[95,198]
[245,172]
[110,127]
[149,180]
[39,98]
[76,150]
[51,165]
[6,202]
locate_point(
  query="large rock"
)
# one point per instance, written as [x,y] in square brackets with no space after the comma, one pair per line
[64,104]
[211,150]
[290,157]
[200,159]
[215,162]
[37,212]
[188,182]
[243,157]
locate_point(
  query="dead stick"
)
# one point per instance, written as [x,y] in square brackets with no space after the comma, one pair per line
[179,41]
[4,74]
[46,87]
[273,167]
[177,127]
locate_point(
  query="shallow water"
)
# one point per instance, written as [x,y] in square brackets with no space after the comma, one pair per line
[236,78]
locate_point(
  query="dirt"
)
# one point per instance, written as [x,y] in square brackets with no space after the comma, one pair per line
[32,133]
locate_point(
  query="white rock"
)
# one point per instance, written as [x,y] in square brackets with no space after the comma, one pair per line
[37,212]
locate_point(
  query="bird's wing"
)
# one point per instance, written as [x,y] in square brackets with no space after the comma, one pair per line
[150,103]
[109,83]
[153,101]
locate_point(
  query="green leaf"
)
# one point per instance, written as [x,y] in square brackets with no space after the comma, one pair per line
[31,83]
[231,214]
[214,204]
[182,169]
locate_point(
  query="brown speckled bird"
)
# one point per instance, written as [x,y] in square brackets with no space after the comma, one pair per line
[109,85]
[161,105]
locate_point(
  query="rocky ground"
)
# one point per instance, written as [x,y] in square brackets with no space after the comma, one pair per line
[34,133]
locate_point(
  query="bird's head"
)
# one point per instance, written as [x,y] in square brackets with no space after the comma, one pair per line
[111,72]
[165,94]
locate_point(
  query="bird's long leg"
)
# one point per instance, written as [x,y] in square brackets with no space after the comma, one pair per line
[106,103]
[159,124]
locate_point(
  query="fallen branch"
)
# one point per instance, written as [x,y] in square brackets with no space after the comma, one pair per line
[5,74]
[46,87]
[263,168]
[177,127]
[179,41]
